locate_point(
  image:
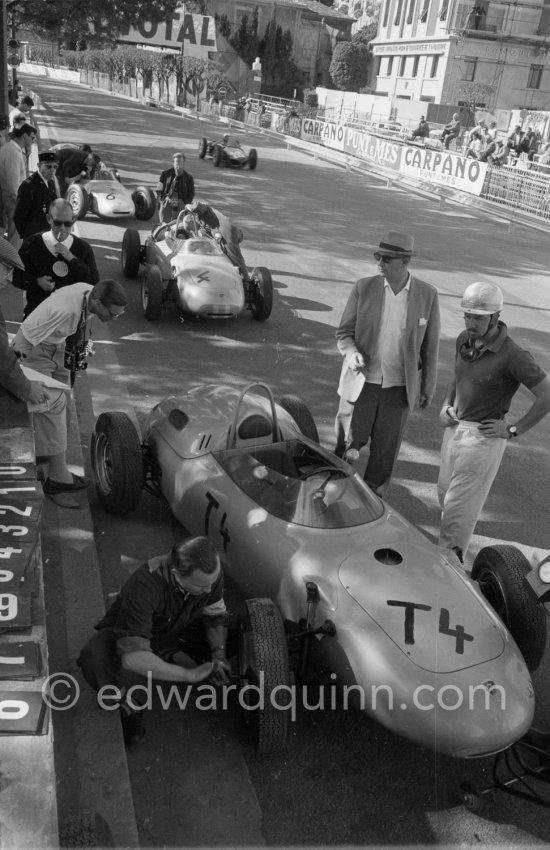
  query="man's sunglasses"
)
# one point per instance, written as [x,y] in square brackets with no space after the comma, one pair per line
[385,258]
[58,223]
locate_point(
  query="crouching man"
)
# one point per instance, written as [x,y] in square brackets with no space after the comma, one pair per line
[153,628]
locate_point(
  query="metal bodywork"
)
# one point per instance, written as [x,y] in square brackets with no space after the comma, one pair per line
[202,280]
[424,652]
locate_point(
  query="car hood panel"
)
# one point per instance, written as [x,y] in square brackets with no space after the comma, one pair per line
[432,612]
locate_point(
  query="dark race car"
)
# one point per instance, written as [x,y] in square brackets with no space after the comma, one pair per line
[228,151]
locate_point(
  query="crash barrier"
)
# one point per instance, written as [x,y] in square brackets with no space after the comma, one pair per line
[28,803]
[520,189]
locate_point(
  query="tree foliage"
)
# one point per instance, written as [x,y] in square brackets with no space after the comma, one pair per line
[91,21]
[279,70]
[349,66]
[365,35]
[474,94]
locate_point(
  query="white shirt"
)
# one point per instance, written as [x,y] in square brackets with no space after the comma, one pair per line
[388,366]
[55,318]
[49,241]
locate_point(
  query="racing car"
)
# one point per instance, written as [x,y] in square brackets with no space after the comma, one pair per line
[334,579]
[190,268]
[104,194]
[228,151]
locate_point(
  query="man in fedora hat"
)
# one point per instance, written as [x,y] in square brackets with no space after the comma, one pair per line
[389,338]
[34,197]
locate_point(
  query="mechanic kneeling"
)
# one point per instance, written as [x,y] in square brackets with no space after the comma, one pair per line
[152,629]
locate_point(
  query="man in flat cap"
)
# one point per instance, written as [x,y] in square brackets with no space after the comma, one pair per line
[389,338]
[34,197]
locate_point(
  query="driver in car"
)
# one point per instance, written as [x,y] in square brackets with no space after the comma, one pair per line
[213,219]
[168,623]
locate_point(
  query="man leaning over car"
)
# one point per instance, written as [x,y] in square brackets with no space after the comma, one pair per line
[153,629]
[175,189]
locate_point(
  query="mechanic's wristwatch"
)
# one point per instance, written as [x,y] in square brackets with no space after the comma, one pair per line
[512,431]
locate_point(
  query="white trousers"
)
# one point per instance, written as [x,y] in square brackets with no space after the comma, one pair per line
[469,464]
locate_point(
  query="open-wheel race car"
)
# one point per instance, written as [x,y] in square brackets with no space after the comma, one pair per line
[104,194]
[228,151]
[335,580]
[191,269]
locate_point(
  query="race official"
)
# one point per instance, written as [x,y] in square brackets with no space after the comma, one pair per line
[40,340]
[232,235]
[34,197]
[47,406]
[168,623]
[389,339]
[489,369]
[54,259]
[175,189]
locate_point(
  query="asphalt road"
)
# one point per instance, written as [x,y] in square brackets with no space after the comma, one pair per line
[343,780]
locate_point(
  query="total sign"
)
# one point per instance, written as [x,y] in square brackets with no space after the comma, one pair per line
[197,33]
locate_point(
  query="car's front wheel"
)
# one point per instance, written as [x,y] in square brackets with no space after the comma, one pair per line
[79,200]
[151,293]
[130,254]
[501,571]
[261,294]
[263,664]
[252,158]
[145,203]
[203,145]
[117,463]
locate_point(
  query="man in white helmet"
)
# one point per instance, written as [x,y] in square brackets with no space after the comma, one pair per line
[489,369]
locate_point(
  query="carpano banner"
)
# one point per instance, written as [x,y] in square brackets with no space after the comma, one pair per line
[323,133]
[197,32]
[443,168]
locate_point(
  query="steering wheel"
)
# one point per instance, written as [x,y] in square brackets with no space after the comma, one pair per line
[331,470]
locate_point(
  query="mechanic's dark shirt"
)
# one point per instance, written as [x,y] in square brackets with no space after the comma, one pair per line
[74,164]
[184,189]
[485,387]
[151,605]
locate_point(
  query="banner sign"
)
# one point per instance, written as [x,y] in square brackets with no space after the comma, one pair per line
[323,133]
[376,149]
[196,32]
[443,168]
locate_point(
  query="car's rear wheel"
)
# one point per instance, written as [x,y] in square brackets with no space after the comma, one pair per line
[151,293]
[263,663]
[79,200]
[501,571]
[145,203]
[261,294]
[301,414]
[203,145]
[217,156]
[252,158]
[130,254]
[117,463]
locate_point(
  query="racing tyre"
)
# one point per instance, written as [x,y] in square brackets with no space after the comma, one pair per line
[301,414]
[252,158]
[145,203]
[263,663]
[151,293]
[203,145]
[79,200]
[217,156]
[117,463]
[130,254]
[262,294]
[500,571]
[471,798]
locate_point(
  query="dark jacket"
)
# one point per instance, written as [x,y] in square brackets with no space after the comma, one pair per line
[184,190]
[12,380]
[38,262]
[32,204]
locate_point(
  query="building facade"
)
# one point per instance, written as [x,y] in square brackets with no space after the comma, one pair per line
[494,53]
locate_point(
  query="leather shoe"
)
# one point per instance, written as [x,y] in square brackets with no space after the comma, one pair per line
[52,487]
